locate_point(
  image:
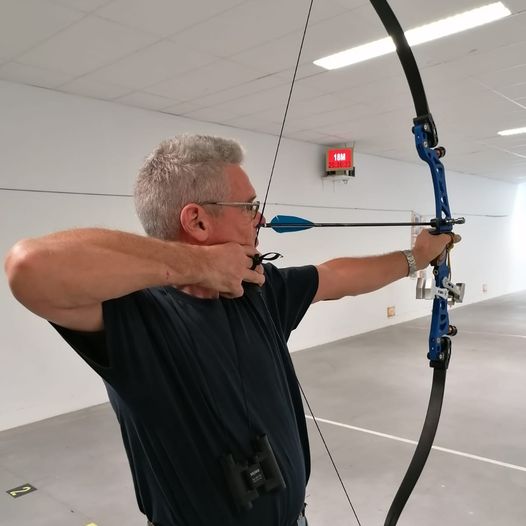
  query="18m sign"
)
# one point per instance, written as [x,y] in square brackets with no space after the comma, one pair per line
[339,159]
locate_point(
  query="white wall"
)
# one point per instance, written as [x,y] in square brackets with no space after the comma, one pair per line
[53,141]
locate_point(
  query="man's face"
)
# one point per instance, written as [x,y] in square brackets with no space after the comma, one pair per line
[236,224]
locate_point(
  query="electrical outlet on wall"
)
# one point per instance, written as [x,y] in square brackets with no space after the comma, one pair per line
[391,311]
[484,287]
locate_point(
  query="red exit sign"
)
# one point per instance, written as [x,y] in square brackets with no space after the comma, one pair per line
[339,159]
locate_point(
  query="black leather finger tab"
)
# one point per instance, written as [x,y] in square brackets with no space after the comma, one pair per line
[257,259]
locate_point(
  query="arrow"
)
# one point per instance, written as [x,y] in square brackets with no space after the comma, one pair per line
[282,224]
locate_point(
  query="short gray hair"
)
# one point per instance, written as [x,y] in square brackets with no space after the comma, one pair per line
[184,169]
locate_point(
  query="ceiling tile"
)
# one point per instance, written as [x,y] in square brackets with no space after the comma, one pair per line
[353,28]
[349,4]
[478,62]
[145,100]
[485,161]
[312,136]
[319,104]
[521,150]
[440,87]
[490,105]
[515,6]
[151,65]
[33,76]
[252,87]
[336,120]
[218,115]
[163,17]
[305,70]
[511,142]
[181,108]
[358,79]
[85,46]
[326,9]
[24,24]
[234,31]
[277,55]
[484,39]
[517,92]
[271,99]
[255,124]
[219,75]
[96,90]
[503,77]
[82,5]
[431,11]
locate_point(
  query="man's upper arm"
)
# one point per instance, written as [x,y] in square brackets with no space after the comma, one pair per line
[328,284]
[85,319]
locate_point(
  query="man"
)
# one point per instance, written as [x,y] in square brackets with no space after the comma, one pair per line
[191,341]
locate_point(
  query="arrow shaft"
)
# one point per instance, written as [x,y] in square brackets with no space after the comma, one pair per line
[335,225]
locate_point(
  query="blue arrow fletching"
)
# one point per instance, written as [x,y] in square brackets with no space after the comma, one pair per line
[282,224]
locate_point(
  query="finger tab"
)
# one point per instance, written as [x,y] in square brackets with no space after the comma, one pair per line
[257,259]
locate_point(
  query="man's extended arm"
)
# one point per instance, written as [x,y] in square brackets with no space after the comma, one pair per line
[353,276]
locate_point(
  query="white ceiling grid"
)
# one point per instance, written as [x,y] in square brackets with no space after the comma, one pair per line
[231,62]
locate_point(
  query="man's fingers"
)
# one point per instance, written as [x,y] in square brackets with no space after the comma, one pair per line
[455,238]
[232,264]
[256,276]
[452,240]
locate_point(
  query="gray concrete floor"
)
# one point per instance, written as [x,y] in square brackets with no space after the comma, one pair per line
[377,382]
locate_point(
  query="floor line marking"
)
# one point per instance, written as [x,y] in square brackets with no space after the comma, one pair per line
[407,441]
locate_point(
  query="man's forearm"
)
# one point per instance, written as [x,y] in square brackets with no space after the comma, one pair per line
[353,276]
[87,266]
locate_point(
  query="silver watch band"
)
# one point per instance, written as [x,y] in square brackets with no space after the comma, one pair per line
[411,263]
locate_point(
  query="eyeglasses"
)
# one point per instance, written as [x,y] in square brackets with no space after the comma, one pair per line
[252,207]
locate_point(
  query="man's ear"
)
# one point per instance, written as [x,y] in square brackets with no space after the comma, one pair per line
[195,222]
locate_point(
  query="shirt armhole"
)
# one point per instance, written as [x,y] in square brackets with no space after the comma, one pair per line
[90,346]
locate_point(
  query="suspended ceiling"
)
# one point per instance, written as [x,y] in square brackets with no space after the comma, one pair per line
[232,61]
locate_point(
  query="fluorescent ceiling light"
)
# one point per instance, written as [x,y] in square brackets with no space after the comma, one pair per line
[418,35]
[357,54]
[514,131]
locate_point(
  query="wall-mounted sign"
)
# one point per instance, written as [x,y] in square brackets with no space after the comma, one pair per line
[339,159]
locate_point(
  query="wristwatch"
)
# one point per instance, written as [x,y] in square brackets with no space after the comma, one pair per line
[411,263]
